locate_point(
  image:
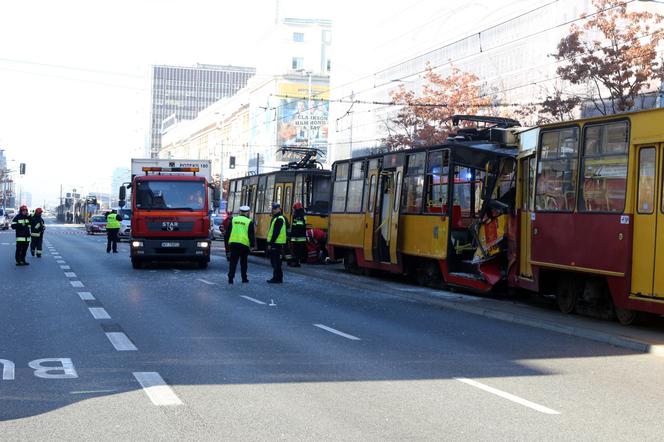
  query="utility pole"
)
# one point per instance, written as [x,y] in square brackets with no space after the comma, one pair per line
[258,162]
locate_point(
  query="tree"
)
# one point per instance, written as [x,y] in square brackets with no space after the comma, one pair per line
[557,107]
[426,120]
[614,53]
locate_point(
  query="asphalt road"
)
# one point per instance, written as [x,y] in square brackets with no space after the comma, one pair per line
[92,349]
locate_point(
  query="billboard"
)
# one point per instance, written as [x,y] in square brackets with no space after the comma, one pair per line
[299,126]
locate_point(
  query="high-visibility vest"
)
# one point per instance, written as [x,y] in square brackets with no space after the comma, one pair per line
[112,221]
[281,239]
[240,230]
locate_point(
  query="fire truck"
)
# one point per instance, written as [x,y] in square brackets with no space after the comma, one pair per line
[170,202]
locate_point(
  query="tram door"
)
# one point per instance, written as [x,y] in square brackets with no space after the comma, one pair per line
[527,187]
[369,214]
[648,249]
[386,217]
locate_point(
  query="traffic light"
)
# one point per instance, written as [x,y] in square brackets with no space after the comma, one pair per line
[231,164]
[21,168]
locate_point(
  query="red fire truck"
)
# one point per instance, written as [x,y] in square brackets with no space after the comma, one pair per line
[170,202]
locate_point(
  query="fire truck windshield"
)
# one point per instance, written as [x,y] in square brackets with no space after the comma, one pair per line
[170,195]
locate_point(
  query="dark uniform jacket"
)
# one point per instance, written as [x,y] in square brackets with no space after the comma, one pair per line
[21,223]
[299,226]
[37,224]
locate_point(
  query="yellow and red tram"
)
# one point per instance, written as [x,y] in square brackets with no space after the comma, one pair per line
[590,220]
[428,211]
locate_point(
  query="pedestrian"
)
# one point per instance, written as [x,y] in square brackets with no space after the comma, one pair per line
[298,235]
[223,228]
[21,223]
[112,229]
[37,227]
[276,241]
[240,238]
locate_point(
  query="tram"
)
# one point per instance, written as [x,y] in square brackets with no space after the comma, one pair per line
[440,213]
[303,181]
[589,225]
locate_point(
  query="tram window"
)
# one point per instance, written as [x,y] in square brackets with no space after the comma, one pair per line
[340,188]
[413,183]
[318,194]
[604,168]
[269,194]
[355,186]
[468,190]
[436,182]
[557,170]
[287,200]
[297,192]
[646,191]
[260,195]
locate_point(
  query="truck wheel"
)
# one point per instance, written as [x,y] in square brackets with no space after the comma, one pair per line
[136,263]
[203,264]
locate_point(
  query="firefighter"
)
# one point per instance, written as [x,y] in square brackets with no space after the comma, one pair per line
[112,229]
[276,242]
[37,228]
[21,223]
[298,235]
[317,245]
[240,238]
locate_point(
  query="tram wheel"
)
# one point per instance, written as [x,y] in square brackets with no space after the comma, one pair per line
[350,262]
[427,274]
[567,294]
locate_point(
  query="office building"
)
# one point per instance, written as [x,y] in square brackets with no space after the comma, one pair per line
[178,93]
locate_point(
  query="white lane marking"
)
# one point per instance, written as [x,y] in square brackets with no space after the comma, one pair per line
[156,388]
[337,332]
[76,284]
[65,267]
[249,298]
[176,270]
[8,370]
[205,282]
[508,396]
[70,274]
[86,296]
[60,261]
[120,341]
[99,313]
[5,243]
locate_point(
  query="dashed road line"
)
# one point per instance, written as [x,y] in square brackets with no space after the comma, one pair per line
[65,267]
[337,332]
[205,282]
[156,388]
[508,396]
[249,298]
[120,341]
[60,261]
[86,296]
[70,274]
[99,313]
[78,284]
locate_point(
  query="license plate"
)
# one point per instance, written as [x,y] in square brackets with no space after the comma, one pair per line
[170,244]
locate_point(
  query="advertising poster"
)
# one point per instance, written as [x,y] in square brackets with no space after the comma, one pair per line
[299,126]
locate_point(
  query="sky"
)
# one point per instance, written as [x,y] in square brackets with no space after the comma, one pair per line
[74,74]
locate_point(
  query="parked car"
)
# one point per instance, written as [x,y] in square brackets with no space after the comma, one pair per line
[8,216]
[125,228]
[96,224]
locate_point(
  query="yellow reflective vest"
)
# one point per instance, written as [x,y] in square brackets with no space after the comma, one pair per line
[240,230]
[112,221]
[281,239]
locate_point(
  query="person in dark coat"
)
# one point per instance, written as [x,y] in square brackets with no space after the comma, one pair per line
[240,238]
[21,223]
[37,228]
[298,235]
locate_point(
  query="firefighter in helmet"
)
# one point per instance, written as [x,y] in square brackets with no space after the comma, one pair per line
[21,223]
[37,228]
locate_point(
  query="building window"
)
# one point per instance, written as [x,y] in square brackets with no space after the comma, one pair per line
[298,63]
[298,37]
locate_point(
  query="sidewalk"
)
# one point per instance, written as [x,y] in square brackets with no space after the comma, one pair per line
[645,339]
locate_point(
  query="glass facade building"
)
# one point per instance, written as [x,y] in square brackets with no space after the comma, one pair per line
[179,93]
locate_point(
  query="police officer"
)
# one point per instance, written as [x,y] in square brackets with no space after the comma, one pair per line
[37,228]
[21,223]
[240,238]
[112,229]
[298,235]
[276,241]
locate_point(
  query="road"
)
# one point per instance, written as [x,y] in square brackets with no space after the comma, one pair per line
[92,349]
